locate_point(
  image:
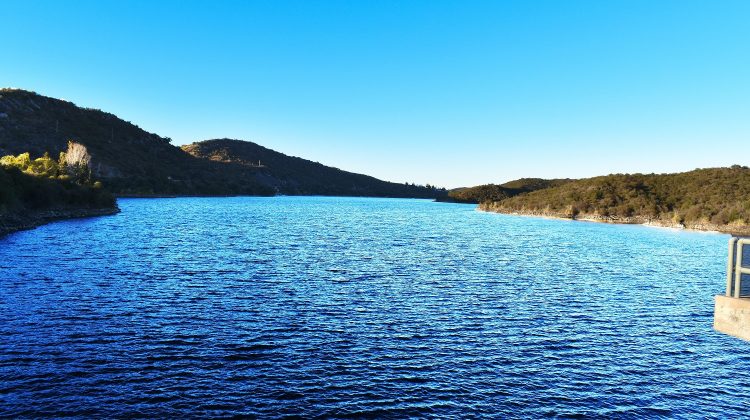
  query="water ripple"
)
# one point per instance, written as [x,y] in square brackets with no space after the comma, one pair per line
[347,307]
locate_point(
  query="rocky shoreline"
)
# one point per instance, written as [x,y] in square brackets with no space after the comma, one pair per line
[633,220]
[17,222]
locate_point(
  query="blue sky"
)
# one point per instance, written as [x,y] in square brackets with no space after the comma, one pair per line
[451,93]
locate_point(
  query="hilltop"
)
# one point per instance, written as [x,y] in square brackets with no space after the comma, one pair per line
[132,161]
[702,199]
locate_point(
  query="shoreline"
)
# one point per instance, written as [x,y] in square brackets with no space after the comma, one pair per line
[118,196]
[17,222]
[615,220]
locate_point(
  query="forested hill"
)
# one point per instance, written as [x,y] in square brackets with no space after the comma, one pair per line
[493,192]
[715,199]
[294,175]
[130,160]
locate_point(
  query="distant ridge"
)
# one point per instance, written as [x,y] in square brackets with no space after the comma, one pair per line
[294,175]
[493,192]
[132,161]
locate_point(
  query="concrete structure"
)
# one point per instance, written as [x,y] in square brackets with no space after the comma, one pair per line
[732,316]
[732,310]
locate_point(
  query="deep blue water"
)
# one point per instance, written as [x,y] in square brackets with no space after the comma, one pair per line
[361,307]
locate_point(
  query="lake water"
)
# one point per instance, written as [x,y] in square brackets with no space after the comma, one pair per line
[361,307]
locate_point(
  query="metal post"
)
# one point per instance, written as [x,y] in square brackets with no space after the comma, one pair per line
[730,265]
[738,269]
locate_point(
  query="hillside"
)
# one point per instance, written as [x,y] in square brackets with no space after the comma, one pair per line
[493,192]
[297,176]
[127,158]
[706,199]
[132,161]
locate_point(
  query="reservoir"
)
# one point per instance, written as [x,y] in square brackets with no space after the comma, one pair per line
[352,307]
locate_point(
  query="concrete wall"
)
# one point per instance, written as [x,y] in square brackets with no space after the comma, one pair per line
[732,316]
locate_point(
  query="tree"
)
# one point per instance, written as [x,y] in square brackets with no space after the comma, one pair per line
[77,155]
[77,160]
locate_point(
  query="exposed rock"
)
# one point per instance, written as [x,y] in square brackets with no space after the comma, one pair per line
[635,220]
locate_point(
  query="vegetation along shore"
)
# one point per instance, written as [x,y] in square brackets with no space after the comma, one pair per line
[715,199]
[41,190]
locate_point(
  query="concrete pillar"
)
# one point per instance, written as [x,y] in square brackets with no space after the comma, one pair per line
[730,265]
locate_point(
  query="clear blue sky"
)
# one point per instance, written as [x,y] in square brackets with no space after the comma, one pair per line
[451,93]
